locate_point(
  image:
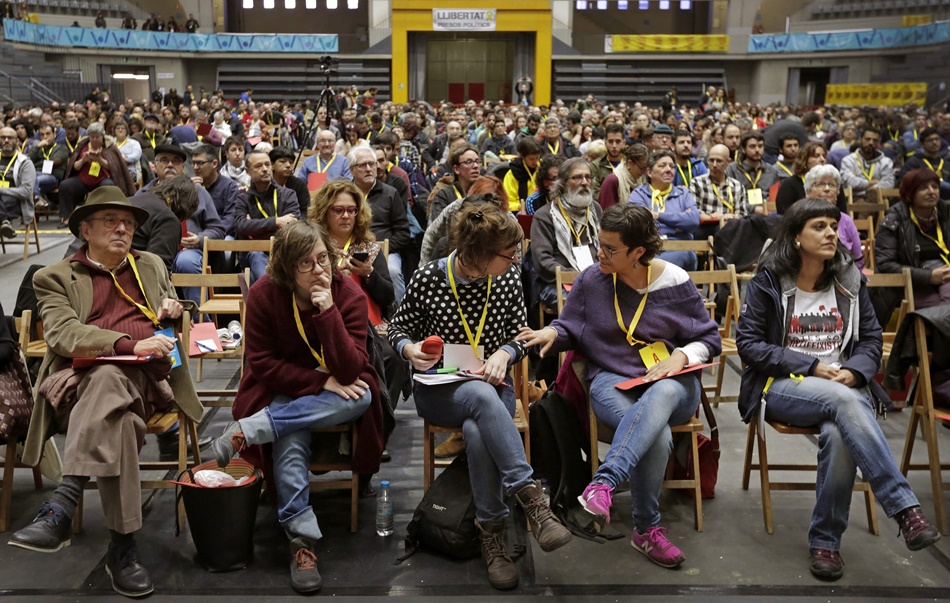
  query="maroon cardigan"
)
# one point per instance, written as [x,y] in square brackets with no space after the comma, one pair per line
[279,361]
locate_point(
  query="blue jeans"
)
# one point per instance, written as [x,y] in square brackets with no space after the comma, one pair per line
[287,423]
[257,262]
[684,259]
[395,272]
[188,261]
[850,437]
[44,184]
[641,420]
[497,464]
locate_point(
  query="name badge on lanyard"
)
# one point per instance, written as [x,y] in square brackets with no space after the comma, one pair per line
[94,169]
[755,196]
[582,257]
[4,184]
[47,166]
[653,354]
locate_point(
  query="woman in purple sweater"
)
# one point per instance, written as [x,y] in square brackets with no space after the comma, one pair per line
[635,316]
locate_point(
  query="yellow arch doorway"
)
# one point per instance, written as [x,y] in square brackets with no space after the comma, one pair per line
[435,65]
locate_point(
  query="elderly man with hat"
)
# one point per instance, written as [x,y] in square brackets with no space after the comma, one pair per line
[105,300]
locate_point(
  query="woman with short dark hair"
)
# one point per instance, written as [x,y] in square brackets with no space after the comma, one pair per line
[812,346]
[634,315]
[915,234]
[308,367]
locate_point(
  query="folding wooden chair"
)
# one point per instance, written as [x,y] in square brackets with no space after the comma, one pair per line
[521,422]
[702,247]
[26,239]
[924,418]
[600,432]
[709,282]
[756,434]
[352,483]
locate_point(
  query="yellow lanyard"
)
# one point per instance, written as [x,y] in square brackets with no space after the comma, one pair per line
[689,167]
[458,193]
[121,144]
[938,169]
[320,168]
[46,154]
[570,223]
[945,253]
[628,331]
[264,213]
[869,175]
[758,174]
[303,335]
[531,174]
[473,341]
[9,165]
[658,199]
[151,138]
[556,148]
[71,147]
[732,198]
[368,134]
[147,308]
[784,167]
[894,135]
[22,148]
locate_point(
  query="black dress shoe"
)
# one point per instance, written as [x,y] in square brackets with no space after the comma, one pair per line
[49,532]
[129,576]
[825,564]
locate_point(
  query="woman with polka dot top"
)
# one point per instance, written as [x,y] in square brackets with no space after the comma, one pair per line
[474,297]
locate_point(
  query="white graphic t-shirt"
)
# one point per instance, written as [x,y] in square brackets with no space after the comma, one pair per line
[816,327]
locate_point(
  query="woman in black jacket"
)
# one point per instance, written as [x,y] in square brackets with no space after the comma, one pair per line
[915,234]
[812,345]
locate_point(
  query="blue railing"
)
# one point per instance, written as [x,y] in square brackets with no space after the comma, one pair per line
[869,39]
[127,39]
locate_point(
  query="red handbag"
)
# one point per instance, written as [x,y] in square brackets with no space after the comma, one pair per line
[709,452]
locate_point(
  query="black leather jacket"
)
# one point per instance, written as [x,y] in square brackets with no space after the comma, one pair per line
[896,248]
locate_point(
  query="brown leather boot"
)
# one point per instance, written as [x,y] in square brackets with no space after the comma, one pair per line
[502,573]
[548,530]
[451,447]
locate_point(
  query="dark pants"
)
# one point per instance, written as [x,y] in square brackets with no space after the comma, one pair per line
[72,193]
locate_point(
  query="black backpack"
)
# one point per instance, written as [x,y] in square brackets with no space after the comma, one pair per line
[445,519]
[558,446]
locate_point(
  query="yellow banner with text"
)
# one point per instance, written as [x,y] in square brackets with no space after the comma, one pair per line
[668,43]
[876,94]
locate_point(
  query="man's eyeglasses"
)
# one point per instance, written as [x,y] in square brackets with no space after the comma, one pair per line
[307,265]
[469,163]
[112,222]
[340,210]
[172,160]
[198,164]
[581,178]
[364,165]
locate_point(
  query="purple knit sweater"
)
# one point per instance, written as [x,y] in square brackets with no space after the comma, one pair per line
[674,315]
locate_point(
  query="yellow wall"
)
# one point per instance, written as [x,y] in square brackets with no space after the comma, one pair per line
[512,16]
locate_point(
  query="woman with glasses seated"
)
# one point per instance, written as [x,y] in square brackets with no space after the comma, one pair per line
[673,207]
[464,165]
[473,300]
[308,367]
[823,182]
[634,315]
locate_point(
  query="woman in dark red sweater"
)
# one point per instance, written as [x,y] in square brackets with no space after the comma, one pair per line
[307,367]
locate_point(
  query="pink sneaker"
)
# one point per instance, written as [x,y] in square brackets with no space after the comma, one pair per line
[657,547]
[596,501]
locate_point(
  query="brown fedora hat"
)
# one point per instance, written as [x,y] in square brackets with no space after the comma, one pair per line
[104,197]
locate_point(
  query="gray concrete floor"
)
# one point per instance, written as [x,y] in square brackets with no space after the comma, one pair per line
[733,559]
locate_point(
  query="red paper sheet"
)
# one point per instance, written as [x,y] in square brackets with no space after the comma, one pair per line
[204,129]
[632,383]
[203,331]
[315,180]
[80,363]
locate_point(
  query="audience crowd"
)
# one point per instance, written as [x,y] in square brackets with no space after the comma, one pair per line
[398,225]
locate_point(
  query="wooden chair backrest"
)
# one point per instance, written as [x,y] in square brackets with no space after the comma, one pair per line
[561,278]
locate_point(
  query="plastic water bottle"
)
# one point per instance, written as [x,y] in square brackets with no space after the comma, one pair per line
[384,510]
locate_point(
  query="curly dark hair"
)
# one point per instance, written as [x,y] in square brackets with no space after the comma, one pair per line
[636,227]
